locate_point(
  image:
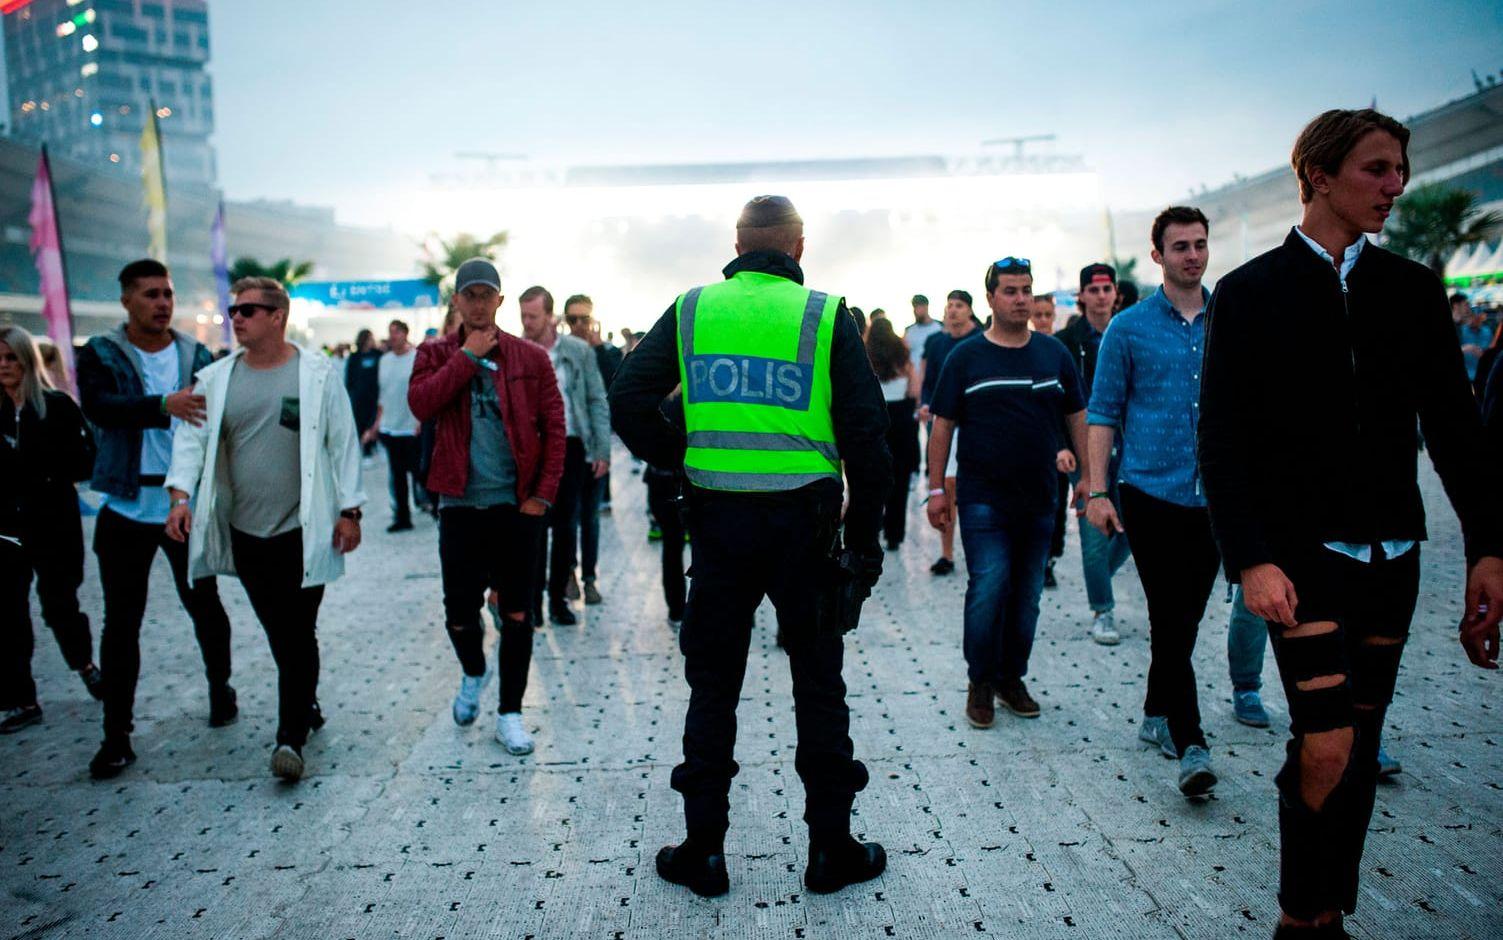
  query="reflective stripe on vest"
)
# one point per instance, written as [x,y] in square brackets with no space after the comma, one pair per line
[754,361]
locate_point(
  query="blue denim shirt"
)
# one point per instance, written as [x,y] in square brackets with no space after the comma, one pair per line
[1148,385]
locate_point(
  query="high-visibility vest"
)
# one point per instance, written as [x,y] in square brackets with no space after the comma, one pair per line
[754,359]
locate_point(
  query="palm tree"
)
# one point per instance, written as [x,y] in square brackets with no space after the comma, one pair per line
[285,270]
[442,257]
[1435,219]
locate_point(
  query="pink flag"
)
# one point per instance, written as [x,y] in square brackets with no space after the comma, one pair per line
[47,249]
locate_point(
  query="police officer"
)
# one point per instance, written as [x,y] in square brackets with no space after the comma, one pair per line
[777,392]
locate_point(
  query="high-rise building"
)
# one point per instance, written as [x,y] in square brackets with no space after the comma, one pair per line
[84,76]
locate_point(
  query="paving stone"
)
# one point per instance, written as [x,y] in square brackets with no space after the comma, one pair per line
[410,827]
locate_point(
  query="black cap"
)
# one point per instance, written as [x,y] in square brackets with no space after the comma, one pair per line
[920,299]
[769,212]
[1091,272]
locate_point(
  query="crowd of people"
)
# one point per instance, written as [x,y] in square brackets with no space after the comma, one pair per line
[782,433]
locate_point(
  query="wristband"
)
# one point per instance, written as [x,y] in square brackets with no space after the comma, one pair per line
[162,405]
[938,492]
[1099,494]
[180,502]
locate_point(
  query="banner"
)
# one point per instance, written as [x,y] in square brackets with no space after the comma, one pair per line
[47,249]
[369,295]
[220,259]
[154,179]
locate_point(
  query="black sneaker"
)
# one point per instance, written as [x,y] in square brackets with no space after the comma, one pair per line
[316,718]
[943,566]
[114,756]
[559,613]
[834,867]
[1049,581]
[1014,695]
[93,681]
[19,717]
[399,527]
[702,873]
[223,709]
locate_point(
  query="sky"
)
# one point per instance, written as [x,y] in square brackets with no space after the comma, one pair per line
[357,104]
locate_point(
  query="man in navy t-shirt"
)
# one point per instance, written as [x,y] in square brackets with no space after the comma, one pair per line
[1009,389]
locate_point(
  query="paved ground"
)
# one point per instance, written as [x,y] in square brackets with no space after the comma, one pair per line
[410,827]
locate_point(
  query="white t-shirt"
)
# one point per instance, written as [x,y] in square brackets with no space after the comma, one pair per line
[915,336]
[159,374]
[895,389]
[561,370]
[393,375]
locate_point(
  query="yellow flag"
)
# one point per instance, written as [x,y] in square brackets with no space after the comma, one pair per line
[154,179]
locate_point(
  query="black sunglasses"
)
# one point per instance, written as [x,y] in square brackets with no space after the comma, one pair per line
[1013,264]
[249,310]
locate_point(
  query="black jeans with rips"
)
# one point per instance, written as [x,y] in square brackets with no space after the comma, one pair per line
[271,570]
[126,549]
[1371,605]
[1178,563]
[480,549]
[746,547]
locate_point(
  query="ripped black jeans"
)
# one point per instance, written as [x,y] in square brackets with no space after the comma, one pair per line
[1338,668]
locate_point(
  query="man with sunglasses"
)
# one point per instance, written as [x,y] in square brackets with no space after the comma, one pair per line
[136,387]
[268,487]
[1100,555]
[587,430]
[1009,390]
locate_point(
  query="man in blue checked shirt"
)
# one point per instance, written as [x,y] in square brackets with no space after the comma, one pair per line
[1148,387]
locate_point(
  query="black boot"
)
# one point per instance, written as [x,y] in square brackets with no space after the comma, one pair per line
[700,871]
[1329,931]
[837,863]
[113,757]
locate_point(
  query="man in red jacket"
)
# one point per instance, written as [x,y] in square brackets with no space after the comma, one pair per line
[498,456]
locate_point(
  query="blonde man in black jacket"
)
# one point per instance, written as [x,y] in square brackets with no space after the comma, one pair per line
[1308,456]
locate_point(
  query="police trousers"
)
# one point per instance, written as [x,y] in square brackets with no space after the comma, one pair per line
[746,547]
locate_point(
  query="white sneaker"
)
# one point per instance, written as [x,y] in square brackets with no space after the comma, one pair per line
[512,735]
[1104,629]
[467,702]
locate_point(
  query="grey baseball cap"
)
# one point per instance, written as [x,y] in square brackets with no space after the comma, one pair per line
[476,271]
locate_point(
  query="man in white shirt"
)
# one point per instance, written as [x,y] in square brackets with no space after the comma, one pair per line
[395,425]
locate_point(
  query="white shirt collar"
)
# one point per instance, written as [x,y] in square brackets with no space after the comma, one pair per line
[1348,257]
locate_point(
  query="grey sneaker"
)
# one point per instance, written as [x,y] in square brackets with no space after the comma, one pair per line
[1387,765]
[591,595]
[1104,629]
[1196,779]
[467,702]
[1154,731]
[287,763]
[1248,709]
[571,590]
[512,735]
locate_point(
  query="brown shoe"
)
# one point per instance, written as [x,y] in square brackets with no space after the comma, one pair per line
[979,710]
[1015,696]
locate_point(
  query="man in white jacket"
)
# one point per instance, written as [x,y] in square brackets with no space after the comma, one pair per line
[273,477]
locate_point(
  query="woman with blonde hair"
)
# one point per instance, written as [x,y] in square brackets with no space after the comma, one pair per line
[45,447]
[54,367]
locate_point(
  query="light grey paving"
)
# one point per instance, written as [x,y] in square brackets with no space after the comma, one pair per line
[411,827]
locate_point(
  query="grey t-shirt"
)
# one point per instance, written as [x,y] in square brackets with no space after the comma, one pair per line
[260,439]
[493,469]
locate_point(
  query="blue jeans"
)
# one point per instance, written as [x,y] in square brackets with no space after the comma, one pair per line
[588,514]
[1004,558]
[1246,641]
[1100,557]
